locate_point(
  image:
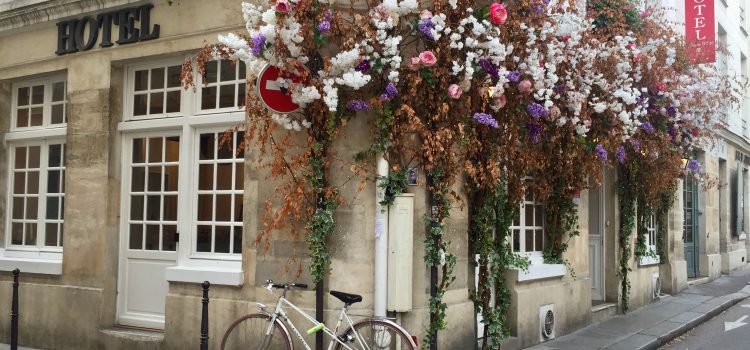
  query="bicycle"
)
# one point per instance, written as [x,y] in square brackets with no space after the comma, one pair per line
[268,330]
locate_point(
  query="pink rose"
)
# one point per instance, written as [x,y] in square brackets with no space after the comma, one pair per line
[427,58]
[498,13]
[425,14]
[283,6]
[524,86]
[454,91]
[414,63]
[500,101]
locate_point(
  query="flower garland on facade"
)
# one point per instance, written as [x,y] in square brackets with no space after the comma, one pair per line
[526,96]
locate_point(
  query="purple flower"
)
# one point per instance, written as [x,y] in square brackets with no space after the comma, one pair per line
[671,130]
[536,110]
[425,27]
[647,127]
[601,152]
[620,154]
[559,88]
[391,91]
[694,165]
[488,67]
[358,105]
[364,66]
[329,16]
[538,9]
[259,43]
[324,26]
[514,76]
[671,111]
[486,119]
[535,131]
[636,144]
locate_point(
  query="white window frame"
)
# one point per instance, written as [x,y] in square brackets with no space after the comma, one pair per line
[217,268]
[200,86]
[650,239]
[39,258]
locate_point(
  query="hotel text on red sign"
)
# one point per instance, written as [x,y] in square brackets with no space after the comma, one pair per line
[700,31]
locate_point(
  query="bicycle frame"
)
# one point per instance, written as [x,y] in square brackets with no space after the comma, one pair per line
[280,313]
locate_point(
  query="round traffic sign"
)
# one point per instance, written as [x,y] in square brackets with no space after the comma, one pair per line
[274,96]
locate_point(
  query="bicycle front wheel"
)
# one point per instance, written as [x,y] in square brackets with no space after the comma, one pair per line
[376,335]
[249,332]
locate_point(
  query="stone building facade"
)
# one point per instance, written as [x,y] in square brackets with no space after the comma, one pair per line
[118,199]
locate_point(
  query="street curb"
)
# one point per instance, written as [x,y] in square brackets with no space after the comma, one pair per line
[656,343]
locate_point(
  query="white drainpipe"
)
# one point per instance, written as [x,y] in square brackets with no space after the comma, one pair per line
[381,245]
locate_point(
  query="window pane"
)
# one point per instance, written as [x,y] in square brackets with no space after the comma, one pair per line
[168,239]
[58,91]
[139,150]
[207,146]
[136,208]
[23,96]
[238,206]
[153,208]
[529,238]
[210,71]
[516,241]
[30,234]
[22,118]
[58,114]
[203,238]
[157,78]
[239,176]
[171,174]
[688,234]
[173,101]
[53,207]
[538,220]
[136,236]
[237,240]
[18,207]
[32,208]
[19,183]
[61,228]
[206,177]
[141,80]
[154,178]
[222,239]
[50,234]
[16,233]
[37,95]
[37,116]
[208,97]
[173,76]
[228,70]
[139,177]
[226,96]
[241,97]
[539,241]
[53,181]
[34,156]
[173,149]
[157,103]
[170,208]
[155,149]
[32,185]
[529,212]
[152,237]
[55,155]
[223,207]
[205,207]
[20,158]
[224,176]
[139,104]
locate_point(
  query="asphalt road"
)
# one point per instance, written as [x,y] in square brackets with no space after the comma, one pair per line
[729,330]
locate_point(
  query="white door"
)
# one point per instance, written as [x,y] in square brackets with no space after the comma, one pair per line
[148,239]
[596,242]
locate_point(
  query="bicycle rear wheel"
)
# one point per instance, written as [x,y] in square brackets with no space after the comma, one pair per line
[376,335]
[249,332]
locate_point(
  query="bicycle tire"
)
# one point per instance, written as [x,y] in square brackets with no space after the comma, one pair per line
[249,330]
[378,335]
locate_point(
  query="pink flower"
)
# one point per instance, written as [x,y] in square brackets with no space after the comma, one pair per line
[425,14]
[414,63]
[498,13]
[500,101]
[454,91]
[524,86]
[427,58]
[283,6]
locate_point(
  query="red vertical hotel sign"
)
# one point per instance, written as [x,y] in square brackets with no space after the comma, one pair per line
[700,31]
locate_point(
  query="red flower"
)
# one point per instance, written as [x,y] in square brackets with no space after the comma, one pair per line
[498,13]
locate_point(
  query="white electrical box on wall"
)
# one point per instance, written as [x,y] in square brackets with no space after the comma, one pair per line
[400,252]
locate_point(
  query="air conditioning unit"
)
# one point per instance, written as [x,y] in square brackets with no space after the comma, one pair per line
[546,322]
[656,286]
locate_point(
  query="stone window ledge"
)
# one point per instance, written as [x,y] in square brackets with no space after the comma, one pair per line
[539,271]
[192,274]
[648,260]
[31,262]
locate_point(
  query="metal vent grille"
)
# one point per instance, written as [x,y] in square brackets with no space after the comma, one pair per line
[549,324]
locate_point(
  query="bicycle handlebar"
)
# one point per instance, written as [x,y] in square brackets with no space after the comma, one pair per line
[270,284]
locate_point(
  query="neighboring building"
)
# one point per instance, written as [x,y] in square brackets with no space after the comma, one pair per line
[119,199]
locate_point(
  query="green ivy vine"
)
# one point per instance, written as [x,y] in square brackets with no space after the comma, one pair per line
[626,195]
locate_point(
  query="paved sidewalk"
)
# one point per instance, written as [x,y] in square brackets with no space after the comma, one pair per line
[657,323]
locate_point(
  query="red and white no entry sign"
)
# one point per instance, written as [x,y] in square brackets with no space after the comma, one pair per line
[275,97]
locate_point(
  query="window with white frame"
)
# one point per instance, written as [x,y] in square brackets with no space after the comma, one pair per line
[528,227]
[185,168]
[36,169]
[651,230]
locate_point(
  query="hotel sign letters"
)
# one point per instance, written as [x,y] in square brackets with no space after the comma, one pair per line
[71,38]
[700,31]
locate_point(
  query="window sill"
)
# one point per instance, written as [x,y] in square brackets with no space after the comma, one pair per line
[648,261]
[49,264]
[192,274]
[541,271]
